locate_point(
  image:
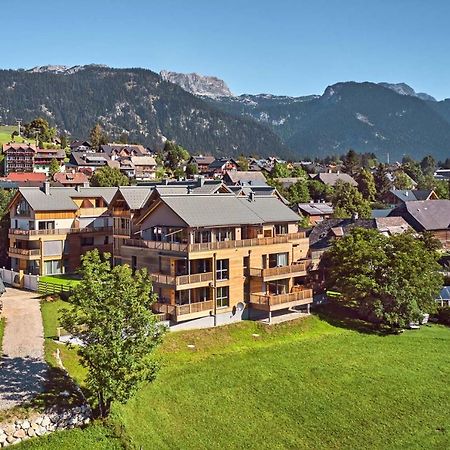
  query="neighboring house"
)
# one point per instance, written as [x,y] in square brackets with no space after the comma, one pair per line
[215,258]
[51,228]
[144,167]
[287,182]
[428,215]
[18,157]
[325,232]
[88,161]
[117,151]
[44,157]
[220,166]
[26,177]
[71,179]
[315,212]
[202,162]
[81,146]
[244,178]
[330,179]
[398,196]
[444,296]
[442,174]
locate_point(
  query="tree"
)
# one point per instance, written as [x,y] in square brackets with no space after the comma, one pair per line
[54,167]
[5,197]
[64,141]
[98,136]
[298,193]
[348,201]
[366,185]
[320,191]
[109,177]
[428,165]
[390,279]
[191,170]
[382,182]
[402,181]
[352,162]
[111,314]
[175,155]
[279,170]
[442,189]
[243,162]
[39,128]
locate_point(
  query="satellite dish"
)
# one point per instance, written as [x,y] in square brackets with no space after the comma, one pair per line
[240,307]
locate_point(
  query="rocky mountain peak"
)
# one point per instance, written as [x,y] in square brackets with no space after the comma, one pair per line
[405,89]
[196,84]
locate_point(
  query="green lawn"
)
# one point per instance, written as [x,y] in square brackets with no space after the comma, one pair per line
[5,134]
[306,384]
[68,280]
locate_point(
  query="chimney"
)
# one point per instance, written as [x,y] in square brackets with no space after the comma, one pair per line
[251,196]
[355,216]
[47,188]
[189,189]
[78,188]
[338,172]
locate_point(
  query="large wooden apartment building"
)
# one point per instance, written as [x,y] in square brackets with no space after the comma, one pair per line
[214,257]
[51,228]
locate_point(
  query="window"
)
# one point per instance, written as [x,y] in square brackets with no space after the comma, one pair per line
[52,267]
[245,266]
[87,241]
[281,228]
[222,269]
[203,294]
[202,236]
[46,225]
[278,259]
[222,297]
[225,234]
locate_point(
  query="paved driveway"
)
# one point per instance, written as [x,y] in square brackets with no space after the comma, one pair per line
[22,365]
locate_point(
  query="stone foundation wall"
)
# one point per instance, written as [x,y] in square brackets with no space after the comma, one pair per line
[39,425]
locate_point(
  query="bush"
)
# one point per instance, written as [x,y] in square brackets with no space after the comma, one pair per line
[443,315]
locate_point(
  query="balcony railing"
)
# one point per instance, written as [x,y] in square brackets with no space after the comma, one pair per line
[182,279]
[24,252]
[296,267]
[58,231]
[181,247]
[181,310]
[121,232]
[274,299]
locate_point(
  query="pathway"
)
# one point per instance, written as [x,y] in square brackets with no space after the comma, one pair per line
[22,365]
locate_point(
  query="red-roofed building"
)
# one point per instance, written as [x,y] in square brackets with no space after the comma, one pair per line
[26,176]
[71,179]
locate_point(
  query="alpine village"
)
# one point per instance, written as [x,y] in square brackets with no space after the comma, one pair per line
[158,296]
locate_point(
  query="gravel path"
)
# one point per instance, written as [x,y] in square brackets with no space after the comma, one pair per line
[22,366]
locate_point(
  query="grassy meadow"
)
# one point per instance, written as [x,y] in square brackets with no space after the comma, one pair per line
[313,383]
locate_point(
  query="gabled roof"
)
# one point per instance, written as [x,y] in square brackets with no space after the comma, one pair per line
[408,195]
[227,209]
[220,162]
[315,209]
[143,160]
[26,176]
[426,215]
[135,196]
[70,178]
[331,179]
[245,178]
[18,146]
[61,198]
[202,159]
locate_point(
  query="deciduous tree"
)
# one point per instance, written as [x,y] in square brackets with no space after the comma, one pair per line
[109,177]
[348,201]
[112,316]
[366,185]
[392,279]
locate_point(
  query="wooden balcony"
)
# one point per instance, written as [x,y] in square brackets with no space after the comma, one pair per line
[122,232]
[179,313]
[184,281]
[58,231]
[187,248]
[296,269]
[24,253]
[273,302]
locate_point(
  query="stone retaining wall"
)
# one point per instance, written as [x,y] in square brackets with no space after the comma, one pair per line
[39,425]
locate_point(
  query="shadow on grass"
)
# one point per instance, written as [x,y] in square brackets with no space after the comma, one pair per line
[346,317]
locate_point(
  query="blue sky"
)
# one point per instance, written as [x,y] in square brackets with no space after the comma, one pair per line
[280,47]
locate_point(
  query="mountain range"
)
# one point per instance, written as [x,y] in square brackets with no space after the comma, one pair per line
[202,114]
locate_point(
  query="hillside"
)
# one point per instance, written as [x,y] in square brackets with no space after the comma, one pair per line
[137,101]
[364,116]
